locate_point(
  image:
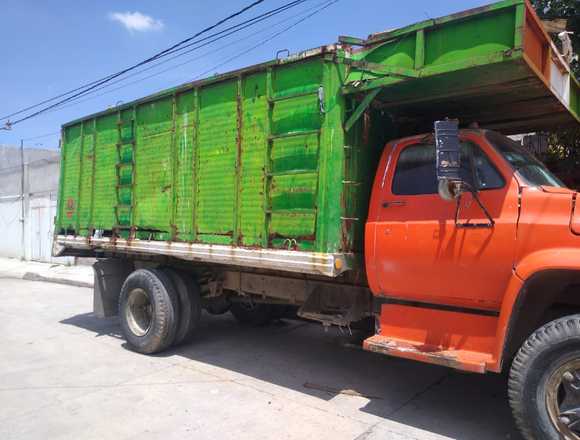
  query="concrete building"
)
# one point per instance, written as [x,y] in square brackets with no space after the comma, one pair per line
[28,195]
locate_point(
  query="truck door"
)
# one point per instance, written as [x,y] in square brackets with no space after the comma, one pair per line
[415,250]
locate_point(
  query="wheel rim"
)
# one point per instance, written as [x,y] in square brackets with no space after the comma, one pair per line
[139,312]
[563,399]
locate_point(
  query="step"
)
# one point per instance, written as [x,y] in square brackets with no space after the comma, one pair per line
[465,360]
[464,339]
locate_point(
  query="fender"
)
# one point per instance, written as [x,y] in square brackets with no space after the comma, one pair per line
[563,258]
[547,260]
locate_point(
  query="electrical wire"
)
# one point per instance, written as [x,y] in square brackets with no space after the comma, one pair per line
[239,40]
[32,162]
[263,42]
[322,7]
[157,55]
[173,49]
[41,136]
[177,56]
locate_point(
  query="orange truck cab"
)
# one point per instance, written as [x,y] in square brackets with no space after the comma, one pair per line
[449,281]
[480,272]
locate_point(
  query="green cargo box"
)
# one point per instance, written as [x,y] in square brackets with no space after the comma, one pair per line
[271,166]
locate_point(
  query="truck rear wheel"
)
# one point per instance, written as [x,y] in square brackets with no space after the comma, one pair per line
[544,382]
[149,311]
[189,302]
[252,313]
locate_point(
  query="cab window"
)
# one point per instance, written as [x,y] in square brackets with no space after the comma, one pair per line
[415,173]
[531,169]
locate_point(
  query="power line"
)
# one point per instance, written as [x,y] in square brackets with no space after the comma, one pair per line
[148,60]
[46,160]
[173,49]
[41,136]
[219,35]
[76,102]
[254,21]
[263,42]
[241,11]
[322,7]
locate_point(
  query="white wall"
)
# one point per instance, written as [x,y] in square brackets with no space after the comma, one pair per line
[39,199]
[11,227]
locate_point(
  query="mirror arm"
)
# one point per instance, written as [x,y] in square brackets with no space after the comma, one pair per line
[491,222]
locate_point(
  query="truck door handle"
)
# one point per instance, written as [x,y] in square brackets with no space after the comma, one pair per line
[394,203]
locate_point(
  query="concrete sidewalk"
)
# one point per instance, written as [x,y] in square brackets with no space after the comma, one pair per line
[81,276]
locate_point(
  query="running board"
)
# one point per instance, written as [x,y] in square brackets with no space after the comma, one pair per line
[463,341]
[458,359]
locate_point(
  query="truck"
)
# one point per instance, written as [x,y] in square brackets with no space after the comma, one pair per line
[371,180]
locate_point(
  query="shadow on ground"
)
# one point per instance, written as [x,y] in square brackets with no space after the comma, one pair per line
[302,357]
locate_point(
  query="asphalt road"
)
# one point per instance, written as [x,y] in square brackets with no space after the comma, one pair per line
[66,375]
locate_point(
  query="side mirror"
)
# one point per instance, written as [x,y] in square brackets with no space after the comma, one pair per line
[448,154]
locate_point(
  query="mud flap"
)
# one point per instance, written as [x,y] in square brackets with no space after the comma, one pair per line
[110,274]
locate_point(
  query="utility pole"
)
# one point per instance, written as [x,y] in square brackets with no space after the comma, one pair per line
[22,204]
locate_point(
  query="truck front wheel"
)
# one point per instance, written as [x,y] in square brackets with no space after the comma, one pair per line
[544,382]
[148,311]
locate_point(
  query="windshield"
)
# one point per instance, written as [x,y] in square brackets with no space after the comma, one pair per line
[531,169]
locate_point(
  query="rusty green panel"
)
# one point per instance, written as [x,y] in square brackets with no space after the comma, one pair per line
[461,41]
[294,192]
[293,230]
[69,185]
[296,114]
[329,237]
[295,153]
[86,177]
[217,152]
[363,148]
[104,195]
[466,40]
[153,192]
[126,153]
[185,122]
[297,79]
[401,54]
[254,143]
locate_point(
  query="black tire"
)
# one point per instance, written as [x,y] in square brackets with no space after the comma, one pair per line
[218,306]
[538,381]
[148,311]
[189,302]
[255,314]
[284,311]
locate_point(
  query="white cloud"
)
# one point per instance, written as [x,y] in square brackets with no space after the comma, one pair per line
[136,21]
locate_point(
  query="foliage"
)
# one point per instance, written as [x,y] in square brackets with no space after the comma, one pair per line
[563,156]
[568,9]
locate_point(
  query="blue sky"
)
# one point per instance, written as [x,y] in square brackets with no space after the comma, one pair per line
[50,47]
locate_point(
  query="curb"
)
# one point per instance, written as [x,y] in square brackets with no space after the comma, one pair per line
[31,276]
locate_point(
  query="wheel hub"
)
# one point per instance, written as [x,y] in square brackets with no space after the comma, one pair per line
[139,312]
[563,399]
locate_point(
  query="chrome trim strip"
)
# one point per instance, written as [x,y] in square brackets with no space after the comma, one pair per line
[330,265]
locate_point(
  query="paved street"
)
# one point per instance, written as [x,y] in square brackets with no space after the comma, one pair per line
[67,375]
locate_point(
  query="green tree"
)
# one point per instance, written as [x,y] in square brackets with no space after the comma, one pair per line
[568,9]
[563,156]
